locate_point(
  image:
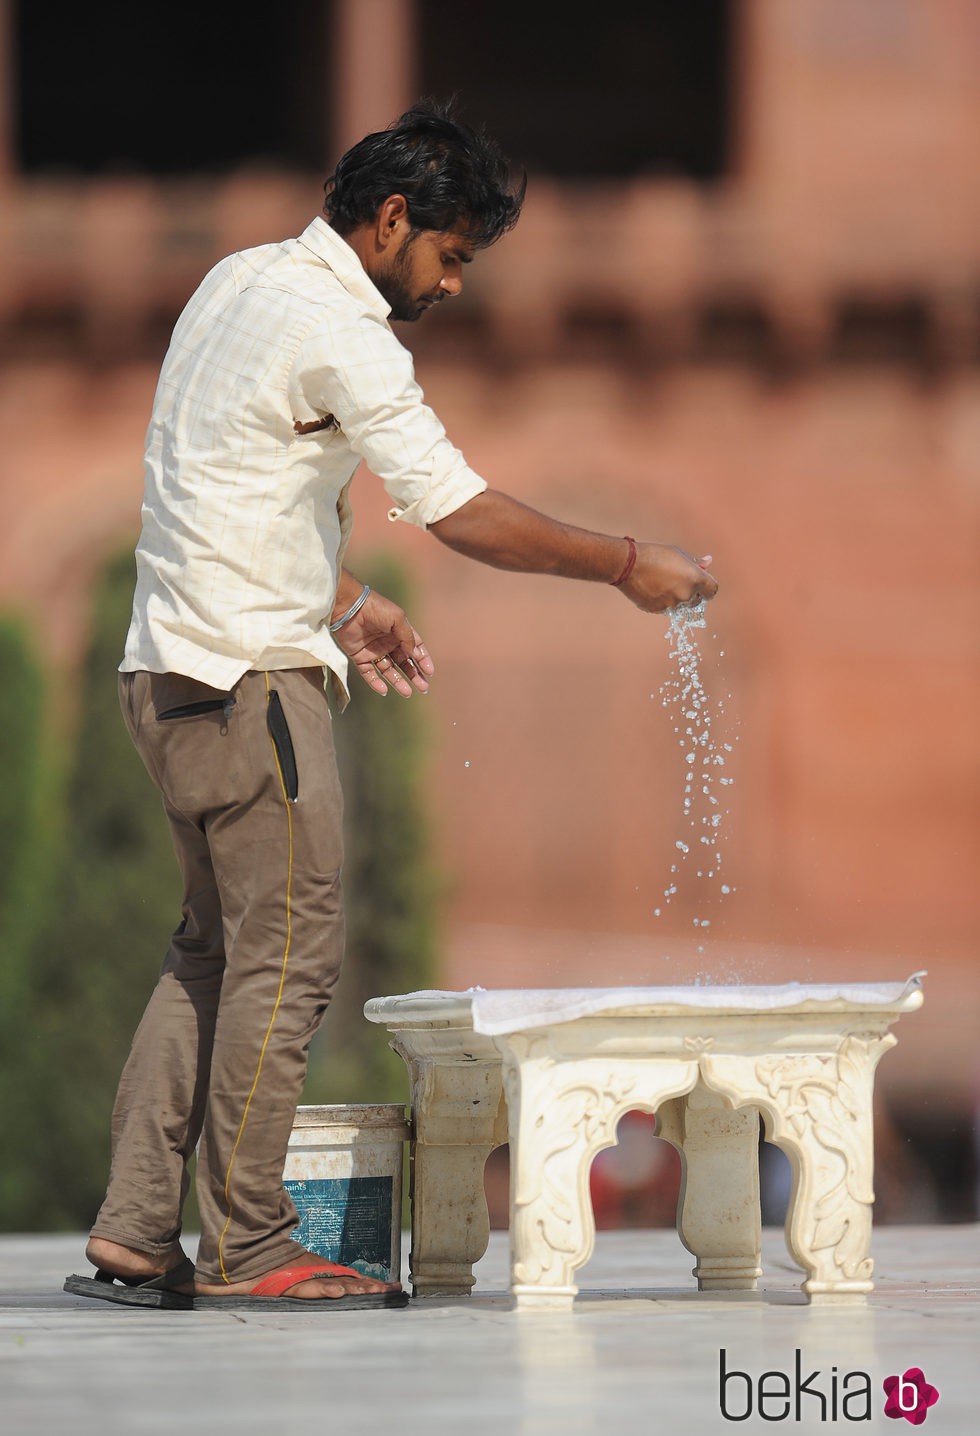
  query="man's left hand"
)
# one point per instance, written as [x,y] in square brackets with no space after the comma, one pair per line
[385,648]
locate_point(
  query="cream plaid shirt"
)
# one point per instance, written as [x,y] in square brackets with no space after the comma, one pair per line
[245,519]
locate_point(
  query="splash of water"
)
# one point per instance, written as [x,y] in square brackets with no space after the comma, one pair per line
[704,761]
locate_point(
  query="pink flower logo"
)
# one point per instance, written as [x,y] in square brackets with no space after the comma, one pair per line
[909,1396]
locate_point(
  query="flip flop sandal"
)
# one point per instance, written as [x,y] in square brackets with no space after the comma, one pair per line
[269,1295]
[156,1291]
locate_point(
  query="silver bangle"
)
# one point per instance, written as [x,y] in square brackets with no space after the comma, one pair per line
[355,607]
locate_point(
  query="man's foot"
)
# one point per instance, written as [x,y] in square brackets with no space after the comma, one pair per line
[128,1264]
[308,1288]
[133,1278]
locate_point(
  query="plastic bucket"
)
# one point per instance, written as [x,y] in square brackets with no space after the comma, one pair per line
[344,1173]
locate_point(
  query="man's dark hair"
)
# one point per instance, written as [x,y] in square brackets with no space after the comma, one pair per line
[452,177]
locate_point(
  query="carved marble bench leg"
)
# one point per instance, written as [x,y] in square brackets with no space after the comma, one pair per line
[552,1227]
[718,1214]
[818,1108]
[457,1120]
[562,1112]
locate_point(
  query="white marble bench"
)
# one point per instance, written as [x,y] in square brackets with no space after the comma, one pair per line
[553,1070]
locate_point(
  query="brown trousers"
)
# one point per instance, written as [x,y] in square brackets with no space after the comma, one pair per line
[249,784]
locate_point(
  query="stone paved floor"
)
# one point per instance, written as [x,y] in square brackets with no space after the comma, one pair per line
[643,1361]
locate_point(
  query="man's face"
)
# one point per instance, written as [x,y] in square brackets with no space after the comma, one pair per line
[426,268]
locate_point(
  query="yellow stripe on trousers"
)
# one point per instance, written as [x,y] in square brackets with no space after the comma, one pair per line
[282,982]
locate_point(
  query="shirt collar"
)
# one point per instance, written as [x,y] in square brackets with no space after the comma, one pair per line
[334,251]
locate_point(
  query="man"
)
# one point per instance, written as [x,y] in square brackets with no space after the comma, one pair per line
[283,373]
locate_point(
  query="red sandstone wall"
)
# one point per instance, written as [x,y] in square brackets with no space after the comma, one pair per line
[843,520]
[840,502]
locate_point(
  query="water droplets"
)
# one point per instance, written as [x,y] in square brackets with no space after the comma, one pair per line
[704,757]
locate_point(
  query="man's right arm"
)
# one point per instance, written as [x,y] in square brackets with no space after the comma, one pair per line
[358,372]
[498,530]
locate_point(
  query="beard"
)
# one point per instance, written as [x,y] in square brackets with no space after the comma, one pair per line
[395,286]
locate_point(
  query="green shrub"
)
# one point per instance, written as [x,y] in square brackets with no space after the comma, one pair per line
[391,888]
[99,954]
[89,893]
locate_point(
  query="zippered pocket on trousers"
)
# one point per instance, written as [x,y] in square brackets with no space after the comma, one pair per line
[192,710]
[283,743]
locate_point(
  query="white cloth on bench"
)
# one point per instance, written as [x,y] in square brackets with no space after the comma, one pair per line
[517,1009]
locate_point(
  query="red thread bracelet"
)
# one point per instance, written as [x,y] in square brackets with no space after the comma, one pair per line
[618,583]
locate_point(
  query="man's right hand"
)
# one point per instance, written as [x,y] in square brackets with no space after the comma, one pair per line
[665,577]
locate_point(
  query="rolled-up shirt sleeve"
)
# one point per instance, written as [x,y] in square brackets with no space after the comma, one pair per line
[352,368]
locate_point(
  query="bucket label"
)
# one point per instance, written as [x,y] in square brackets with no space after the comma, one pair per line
[346,1220]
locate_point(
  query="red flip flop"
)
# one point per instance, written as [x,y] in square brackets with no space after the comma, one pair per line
[270,1293]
